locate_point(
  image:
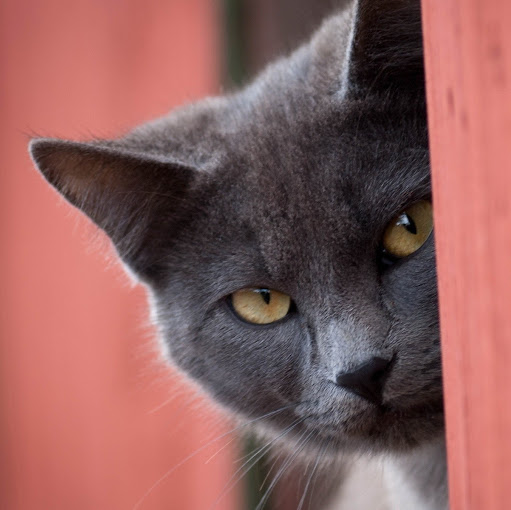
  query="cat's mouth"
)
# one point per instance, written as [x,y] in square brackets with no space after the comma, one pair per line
[378,427]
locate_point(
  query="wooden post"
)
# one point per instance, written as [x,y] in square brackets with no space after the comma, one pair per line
[468,67]
[88,419]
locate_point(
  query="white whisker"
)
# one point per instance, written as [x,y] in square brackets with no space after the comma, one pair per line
[257,455]
[299,447]
[203,447]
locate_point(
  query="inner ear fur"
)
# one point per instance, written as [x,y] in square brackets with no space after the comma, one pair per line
[386,47]
[122,192]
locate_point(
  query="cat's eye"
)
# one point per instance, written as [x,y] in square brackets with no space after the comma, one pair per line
[406,233]
[260,306]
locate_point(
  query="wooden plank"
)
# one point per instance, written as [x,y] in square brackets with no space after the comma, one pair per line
[82,422]
[468,66]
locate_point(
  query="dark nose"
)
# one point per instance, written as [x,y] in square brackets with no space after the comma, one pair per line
[368,379]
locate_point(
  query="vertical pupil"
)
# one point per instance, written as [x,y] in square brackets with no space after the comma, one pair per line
[407,222]
[265,294]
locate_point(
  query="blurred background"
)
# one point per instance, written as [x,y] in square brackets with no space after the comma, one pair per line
[91,418]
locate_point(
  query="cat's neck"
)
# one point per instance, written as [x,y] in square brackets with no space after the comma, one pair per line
[410,481]
[418,479]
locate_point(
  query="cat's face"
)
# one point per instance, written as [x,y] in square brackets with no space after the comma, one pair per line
[288,186]
[307,219]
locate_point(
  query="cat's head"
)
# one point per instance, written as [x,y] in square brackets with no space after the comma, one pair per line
[284,235]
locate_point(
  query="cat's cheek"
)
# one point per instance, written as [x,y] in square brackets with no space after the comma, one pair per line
[416,380]
[250,370]
[410,292]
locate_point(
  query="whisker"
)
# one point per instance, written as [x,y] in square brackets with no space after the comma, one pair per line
[222,448]
[274,463]
[253,459]
[287,463]
[303,475]
[203,447]
[302,500]
[322,455]
[162,405]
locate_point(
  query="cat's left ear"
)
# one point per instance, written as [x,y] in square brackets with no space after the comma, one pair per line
[385,51]
[139,200]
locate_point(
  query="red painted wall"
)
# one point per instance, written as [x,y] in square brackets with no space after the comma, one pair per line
[86,421]
[468,64]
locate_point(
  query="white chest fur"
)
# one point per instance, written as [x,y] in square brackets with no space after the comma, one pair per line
[411,481]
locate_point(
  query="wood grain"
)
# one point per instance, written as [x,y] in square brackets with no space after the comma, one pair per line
[88,419]
[468,67]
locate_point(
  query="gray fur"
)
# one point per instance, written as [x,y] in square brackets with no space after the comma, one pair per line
[288,184]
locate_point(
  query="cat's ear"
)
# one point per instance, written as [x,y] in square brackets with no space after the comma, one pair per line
[123,192]
[385,51]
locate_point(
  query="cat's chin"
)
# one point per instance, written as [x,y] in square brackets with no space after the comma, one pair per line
[370,428]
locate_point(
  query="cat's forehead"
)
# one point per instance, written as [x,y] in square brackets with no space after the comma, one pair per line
[325,186]
[299,157]
[340,156]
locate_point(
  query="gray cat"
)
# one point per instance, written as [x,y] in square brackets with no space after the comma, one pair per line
[284,234]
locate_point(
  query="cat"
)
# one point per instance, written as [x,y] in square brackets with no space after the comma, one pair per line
[284,234]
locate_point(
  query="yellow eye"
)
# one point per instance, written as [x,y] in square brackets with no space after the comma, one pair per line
[260,306]
[407,232]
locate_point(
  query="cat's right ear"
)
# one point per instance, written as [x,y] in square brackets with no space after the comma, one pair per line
[137,199]
[385,51]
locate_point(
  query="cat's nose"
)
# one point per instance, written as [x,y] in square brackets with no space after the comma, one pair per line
[368,379]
